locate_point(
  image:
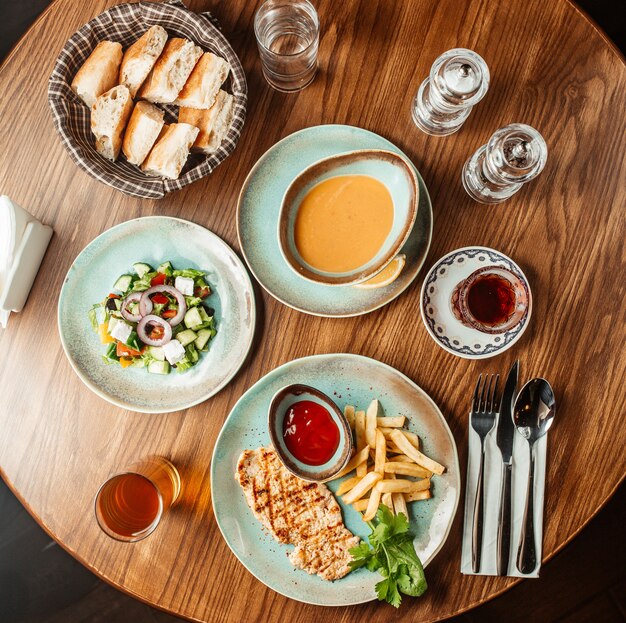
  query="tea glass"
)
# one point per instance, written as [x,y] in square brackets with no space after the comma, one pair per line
[459,301]
[129,505]
[287,33]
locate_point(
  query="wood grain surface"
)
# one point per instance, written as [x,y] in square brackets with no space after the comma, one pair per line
[550,68]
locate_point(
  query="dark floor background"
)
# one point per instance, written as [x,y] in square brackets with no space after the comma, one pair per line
[40,583]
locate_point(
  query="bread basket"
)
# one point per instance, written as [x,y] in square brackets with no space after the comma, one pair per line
[125,23]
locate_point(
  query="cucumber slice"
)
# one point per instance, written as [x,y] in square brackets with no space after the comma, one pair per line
[157,353]
[166,268]
[159,367]
[123,283]
[193,318]
[186,337]
[204,335]
[141,269]
[192,353]
[205,317]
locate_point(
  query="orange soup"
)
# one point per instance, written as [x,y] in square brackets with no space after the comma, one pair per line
[343,222]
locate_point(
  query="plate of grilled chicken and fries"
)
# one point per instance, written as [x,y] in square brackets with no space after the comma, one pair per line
[319,542]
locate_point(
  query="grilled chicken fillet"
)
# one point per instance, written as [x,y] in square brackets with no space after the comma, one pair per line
[295,511]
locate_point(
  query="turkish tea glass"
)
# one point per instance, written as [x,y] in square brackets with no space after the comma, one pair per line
[129,506]
[491,300]
[287,33]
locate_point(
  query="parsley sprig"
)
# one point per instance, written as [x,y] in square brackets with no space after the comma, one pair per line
[390,551]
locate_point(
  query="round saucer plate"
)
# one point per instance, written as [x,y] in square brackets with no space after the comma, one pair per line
[258,209]
[155,239]
[440,322]
[347,379]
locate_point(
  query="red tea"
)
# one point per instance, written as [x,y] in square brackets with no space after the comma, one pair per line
[491,299]
[128,505]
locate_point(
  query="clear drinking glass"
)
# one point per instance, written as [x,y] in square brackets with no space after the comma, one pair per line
[491,300]
[287,33]
[513,156]
[129,505]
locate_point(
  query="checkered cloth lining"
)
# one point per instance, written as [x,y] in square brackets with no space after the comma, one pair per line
[125,23]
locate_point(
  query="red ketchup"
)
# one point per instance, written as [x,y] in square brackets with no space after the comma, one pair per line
[310,432]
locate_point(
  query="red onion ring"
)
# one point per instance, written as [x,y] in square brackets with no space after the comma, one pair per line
[131,298]
[146,305]
[143,334]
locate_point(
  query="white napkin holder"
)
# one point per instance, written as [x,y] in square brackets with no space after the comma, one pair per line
[23,243]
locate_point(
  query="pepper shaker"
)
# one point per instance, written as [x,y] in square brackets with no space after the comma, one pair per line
[514,155]
[458,80]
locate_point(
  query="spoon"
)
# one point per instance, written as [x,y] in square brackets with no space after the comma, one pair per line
[533,414]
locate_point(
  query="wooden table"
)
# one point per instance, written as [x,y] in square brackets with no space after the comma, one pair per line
[550,68]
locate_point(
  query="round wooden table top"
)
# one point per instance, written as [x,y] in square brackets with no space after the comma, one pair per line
[551,69]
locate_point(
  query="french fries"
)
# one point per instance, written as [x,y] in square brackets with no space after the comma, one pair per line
[402,486]
[346,485]
[390,422]
[388,467]
[359,433]
[412,437]
[381,453]
[349,413]
[387,499]
[372,505]
[417,495]
[365,484]
[399,503]
[370,423]
[421,459]
[357,459]
[406,469]
[361,505]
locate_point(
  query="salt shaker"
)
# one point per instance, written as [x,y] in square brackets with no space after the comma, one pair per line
[458,80]
[514,155]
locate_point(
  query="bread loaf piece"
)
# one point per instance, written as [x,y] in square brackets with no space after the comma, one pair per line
[170,72]
[99,72]
[204,82]
[109,116]
[140,58]
[170,153]
[142,131]
[213,123]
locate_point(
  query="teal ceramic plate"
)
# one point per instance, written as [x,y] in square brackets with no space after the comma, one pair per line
[347,379]
[154,240]
[258,210]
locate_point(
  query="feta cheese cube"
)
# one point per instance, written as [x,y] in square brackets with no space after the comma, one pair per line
[121,331]
[184,285]
[174,351]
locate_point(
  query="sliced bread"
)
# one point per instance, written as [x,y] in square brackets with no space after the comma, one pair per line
[142,131]
[213,124]
[204,82]
[109,116]
[140,58]
[171,71]
[170,152]
[99,72]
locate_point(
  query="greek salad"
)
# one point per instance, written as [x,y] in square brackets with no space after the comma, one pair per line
[156,319]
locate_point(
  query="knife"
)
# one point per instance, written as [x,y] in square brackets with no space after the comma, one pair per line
[504,439]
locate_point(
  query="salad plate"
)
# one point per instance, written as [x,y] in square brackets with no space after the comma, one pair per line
[153,241]
[347,379]
[259,208]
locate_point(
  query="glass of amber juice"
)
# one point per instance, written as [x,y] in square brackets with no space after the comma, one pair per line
[129,505]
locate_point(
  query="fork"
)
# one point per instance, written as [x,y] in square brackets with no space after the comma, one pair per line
[482,418]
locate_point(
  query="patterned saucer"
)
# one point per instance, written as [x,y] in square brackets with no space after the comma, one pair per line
[443,327]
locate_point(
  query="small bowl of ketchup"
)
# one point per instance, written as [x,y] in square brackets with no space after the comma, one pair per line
[309,432]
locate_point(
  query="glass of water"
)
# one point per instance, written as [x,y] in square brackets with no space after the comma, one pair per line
[287,33]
